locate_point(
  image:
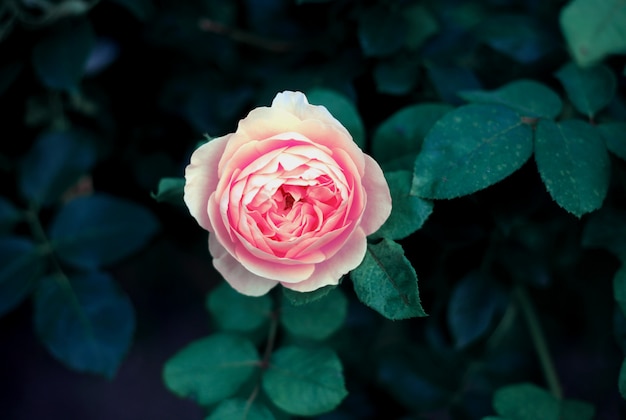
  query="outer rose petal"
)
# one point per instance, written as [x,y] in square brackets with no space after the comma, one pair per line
[378,205]
[201,179]
[330,271]
[235,274]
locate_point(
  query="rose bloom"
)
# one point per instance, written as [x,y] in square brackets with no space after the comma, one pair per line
[288,198]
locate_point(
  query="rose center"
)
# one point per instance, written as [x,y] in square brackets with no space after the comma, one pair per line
[289,200]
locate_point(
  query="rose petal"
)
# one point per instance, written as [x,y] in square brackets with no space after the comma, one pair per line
[201,179]
[330,271]
[235,274]
[378,206]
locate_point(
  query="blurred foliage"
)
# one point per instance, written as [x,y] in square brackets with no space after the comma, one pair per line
[501,127]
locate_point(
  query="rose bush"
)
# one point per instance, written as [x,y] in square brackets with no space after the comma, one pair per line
[287,198]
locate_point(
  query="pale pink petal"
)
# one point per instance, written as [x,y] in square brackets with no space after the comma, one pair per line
[297,104]
[201,179]
[378,205]
[275,268]
[330,271]
[235,274]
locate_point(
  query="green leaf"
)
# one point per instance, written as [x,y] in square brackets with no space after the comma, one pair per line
[55,163]
[386,282]
[170,190]
[594,29]
[142,9]
[60,57]
[342,109]
[305,382]
[400,136]
[8,74]
[233,311]
[21,263]
[573,164]
[381,31]
[100,230]
[316,320]
[619,288]
[606,229]
[469,149]
[408,213]
[526,401]
[522,37]
[576,410]
[473,305]
[211,369]
[302,298]
[421,25]
[622,380]
[614,135]
[9,215]
[397,75]
[528,97]
[590,89]
[85,321]
[240,409]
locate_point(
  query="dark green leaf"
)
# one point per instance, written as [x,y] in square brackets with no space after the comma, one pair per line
[408,213]
[449,80]
[342,109]
[576,410]
[606,229]
[170,190]
[99,230]
[473,306]
[8,74]
[622,380]
[594,29]
[590,89]
[421,25]
[305,382]
[522,37]
[9,215]
[619,288]
[311,1]
[410,385]
[233,311]
[528,97]
[526,401]
[400,136]
[55,162]
[316,320]
[142,9]
[60,57]
[303,298]
[469,149]
[21,263]
[85,321]
[211,369]
[381,32]
[396,76]
[240,409]
[573,163]
[386,282]
[614,135]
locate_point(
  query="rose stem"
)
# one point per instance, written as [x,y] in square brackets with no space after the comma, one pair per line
[539,341]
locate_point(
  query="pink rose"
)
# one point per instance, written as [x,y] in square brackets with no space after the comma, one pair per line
[288,198]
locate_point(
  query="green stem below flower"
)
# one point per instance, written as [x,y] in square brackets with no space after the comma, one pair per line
[539,341]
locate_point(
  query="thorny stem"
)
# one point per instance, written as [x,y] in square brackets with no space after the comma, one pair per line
[539,341]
